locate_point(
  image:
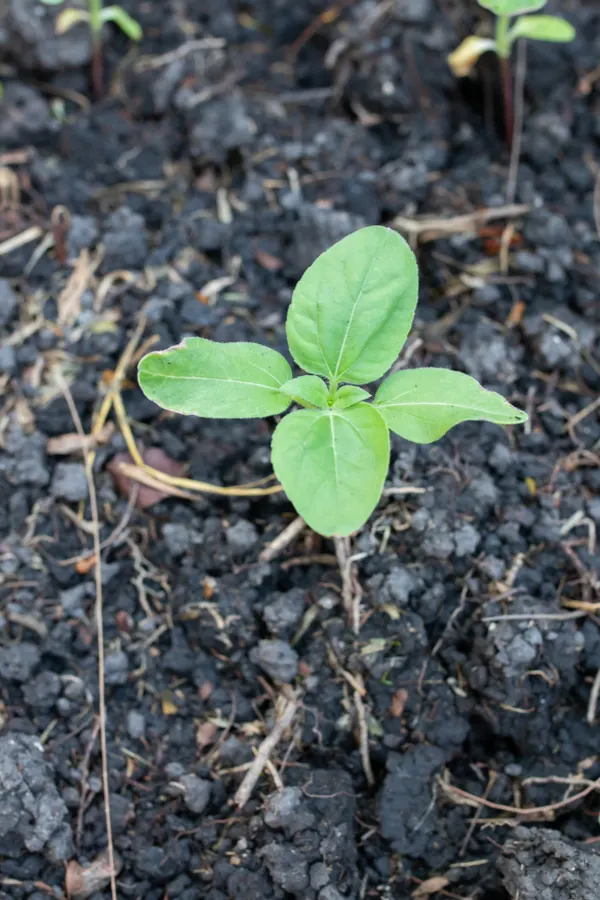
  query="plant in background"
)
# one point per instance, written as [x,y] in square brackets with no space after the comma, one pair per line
[350,315]
[96,16]
[536,28]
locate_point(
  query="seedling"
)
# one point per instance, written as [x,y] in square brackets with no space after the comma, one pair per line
[350,315]
[96,16]
[536,28]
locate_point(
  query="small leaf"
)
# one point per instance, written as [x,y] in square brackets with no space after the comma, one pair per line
[68,18]
[421,405]
[512,7]
[221,381]
[352,309]
[307,390]
[543,28]
[462,60]
[51,2]
[349,395]
[125,22]
[332,465]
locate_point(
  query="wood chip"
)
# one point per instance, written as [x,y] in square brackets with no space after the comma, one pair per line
[82,882]
[65,444]
[69,299]
[431,886]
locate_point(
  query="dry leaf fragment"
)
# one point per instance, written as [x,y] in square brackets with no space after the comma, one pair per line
[205,734]
[431,886]
[65,444]
[69,299]
[82,882]
[147,495]
[398,703]
[268,261]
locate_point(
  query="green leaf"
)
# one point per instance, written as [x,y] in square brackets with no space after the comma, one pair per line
[220,381]
[307,389]
[352,309]
[543,28]
[512,7]
[332,465]
[126,23]
[349,395]
[421,405]
[51,2]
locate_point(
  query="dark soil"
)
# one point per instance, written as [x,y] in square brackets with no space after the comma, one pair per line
[243,158]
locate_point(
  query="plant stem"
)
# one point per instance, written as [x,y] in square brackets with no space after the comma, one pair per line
[507,94]
[503,45]
[95,11]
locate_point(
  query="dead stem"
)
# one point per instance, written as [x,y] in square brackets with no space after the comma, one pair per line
[89,471]
[283,722]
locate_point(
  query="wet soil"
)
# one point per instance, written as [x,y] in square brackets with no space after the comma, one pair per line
[233,145]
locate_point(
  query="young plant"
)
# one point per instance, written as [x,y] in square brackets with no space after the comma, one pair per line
[96,16]
[536,28]
[350,315]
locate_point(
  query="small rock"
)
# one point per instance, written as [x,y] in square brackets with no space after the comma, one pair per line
[18,661]
[400,584]
[43,691]
[284,614]
[69,482]
[241,537]
[318,876]
[221,125]
[83,234]
[197,792]
[136,724]
[8,360]
[116,668]
[8,302]
[288,868]
[277,659]
[466,540]
[177,538]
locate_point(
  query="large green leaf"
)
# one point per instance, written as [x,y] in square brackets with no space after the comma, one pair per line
[421,405]
[543,28]
[352,309]
[512,7]
[220,381]
[332,465]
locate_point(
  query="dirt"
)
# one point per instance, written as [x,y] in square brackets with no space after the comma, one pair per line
[211,174]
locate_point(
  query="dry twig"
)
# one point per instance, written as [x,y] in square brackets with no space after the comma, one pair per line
[89,471]
[430,228]
[283,722]
[283,540]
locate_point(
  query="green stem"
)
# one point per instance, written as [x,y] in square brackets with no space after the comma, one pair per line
[502,37]
[332,390]
[95,11]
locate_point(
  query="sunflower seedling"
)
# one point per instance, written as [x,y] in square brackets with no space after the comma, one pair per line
[536,28]
[350,315]
[96,16]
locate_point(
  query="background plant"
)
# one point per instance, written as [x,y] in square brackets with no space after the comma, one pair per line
[96,16]
[350,315]
[536,28]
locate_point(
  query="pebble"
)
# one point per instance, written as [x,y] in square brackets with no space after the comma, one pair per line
[177,538]
[8,302]
[17,661]
[197,792]
[136,724]
[241,537]
[284,614]
[277,659]
[8,360]
[69,482]
[116,668]
[400,584]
